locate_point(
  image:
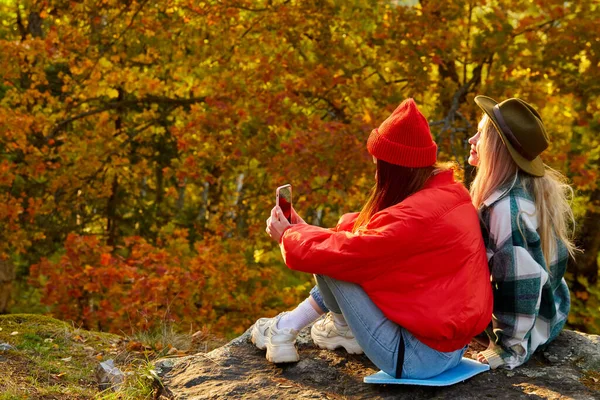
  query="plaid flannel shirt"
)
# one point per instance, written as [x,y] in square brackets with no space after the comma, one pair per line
[531,302]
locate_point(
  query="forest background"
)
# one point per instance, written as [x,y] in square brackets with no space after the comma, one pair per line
[141,142]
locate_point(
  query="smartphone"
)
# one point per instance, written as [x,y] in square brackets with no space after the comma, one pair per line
[283,198]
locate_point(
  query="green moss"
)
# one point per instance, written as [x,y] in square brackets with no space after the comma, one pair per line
[56,360]
[30,319]
[53,359]
[10,395]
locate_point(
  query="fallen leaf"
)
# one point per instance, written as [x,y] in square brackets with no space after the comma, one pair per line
[173,351]
[135,346]
[67,359]
[60,375]
[14,333]
[48,340]
[79,338]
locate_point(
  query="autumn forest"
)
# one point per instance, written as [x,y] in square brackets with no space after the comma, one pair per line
[141,142]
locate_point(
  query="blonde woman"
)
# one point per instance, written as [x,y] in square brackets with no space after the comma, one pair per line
[525,218]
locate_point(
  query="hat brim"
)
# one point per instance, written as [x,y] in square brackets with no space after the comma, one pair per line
[534,167]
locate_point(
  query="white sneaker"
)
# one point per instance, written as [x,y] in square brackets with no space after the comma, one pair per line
[327,335]
[280,343]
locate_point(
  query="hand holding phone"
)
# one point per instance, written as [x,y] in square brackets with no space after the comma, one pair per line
[275,225]
[296,219]
[283,199]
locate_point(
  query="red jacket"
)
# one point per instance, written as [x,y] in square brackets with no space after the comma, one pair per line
[422,262]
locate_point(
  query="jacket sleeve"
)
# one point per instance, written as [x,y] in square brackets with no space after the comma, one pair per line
[346,222]
[352,257]
[517,282]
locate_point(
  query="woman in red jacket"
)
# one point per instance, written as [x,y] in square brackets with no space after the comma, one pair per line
[405,280]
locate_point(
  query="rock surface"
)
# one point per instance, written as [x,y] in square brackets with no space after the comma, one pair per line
[569,368]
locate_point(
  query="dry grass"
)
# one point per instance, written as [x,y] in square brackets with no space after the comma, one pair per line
[54,360]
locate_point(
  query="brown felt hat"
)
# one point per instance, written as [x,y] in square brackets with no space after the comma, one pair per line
[521,129]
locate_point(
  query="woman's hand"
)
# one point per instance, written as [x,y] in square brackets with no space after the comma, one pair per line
[296,219]
[481,358]
[277,224]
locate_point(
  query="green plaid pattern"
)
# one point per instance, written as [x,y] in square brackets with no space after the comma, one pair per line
[531,301]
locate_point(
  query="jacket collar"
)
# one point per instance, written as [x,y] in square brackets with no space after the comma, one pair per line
[502,191]
[440,179]
[497,195]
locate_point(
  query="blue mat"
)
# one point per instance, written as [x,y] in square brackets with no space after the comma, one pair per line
[465,369]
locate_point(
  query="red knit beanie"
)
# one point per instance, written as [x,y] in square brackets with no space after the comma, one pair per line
[404,138]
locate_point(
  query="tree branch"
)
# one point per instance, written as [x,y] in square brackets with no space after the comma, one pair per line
[269,7]
[533,28]
[22,29]
[126,103]
[114,42]
[457,100]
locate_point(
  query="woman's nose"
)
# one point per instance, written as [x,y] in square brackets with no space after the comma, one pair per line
[473,139]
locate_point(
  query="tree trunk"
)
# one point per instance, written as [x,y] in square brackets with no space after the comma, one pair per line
[111,207]
[158,171]
[7,276]
[111,213]
[181,197]
[588,240]
[215,192]
[34,25]
[470,172]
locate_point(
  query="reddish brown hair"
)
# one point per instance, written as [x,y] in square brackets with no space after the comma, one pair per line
[394,183]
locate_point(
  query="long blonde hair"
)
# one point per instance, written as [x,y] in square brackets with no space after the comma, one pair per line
[551,192]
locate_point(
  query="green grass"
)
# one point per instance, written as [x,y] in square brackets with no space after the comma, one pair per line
[141,384]
[163,339]
[53,359]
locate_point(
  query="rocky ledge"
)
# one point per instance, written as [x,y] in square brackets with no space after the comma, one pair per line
[569,368]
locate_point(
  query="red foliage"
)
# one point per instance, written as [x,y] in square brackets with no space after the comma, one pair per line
[150,286]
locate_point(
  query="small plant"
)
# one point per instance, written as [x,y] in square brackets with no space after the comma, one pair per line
[141,382]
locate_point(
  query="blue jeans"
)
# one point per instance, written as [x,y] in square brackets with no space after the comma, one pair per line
[390,347]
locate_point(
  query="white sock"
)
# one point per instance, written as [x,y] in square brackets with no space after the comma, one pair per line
[339,320]
[300,317]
